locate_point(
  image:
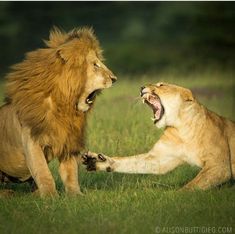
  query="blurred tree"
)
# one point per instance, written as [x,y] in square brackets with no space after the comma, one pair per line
[137,37]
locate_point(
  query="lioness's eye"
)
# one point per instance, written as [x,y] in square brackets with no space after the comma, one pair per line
[96,65]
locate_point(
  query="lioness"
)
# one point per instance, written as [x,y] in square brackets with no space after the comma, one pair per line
[192,134]
[48,96]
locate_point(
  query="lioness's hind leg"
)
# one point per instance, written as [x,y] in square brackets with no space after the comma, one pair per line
[209,177]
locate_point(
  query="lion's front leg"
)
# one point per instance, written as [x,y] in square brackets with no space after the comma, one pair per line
[68,170]
[38,167]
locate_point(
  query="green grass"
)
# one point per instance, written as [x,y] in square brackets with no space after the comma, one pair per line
[117,203]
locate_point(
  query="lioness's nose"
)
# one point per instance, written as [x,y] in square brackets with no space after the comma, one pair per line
[113,78]
[141,90]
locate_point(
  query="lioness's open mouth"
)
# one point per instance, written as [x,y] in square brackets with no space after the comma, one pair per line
[154,102]
[91,97]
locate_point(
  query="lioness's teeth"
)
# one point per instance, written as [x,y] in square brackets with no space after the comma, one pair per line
[89,101]
[147,96]
[153,119]
[143,101]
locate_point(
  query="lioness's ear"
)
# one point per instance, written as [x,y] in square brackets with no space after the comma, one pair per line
[187,95]
[61,56]
[56,38]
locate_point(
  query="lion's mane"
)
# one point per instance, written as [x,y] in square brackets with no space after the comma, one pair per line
[45,88]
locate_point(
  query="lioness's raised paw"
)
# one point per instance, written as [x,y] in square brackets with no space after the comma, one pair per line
[90,159]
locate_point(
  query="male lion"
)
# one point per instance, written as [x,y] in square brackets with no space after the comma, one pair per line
[48,96]
[192,134]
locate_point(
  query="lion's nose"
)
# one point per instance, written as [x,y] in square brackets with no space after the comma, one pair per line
[113,78]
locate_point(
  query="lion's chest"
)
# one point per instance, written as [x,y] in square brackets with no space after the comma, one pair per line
[65,136]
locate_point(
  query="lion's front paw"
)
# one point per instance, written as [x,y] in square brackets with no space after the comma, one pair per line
[90,159]
[6,193]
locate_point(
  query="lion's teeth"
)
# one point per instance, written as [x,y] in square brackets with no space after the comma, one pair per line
[153,119]
[143,101]
[89,101]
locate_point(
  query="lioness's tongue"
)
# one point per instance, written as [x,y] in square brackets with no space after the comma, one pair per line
[157,114]
[157,106]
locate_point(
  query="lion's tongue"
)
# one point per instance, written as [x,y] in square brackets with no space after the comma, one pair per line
[156,107]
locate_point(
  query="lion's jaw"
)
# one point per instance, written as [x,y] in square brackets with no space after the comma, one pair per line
[92,89]
[99,78]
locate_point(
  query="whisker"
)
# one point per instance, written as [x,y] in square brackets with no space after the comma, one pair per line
[137,100]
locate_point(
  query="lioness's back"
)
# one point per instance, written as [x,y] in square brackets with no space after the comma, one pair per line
[230,129]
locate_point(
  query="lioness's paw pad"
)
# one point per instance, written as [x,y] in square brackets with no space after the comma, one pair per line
[90,160]
[87,159]
[91,157]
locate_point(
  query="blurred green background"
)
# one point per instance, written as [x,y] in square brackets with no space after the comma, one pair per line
[138,37]
[188,43]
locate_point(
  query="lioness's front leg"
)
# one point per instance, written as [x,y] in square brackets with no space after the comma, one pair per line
[37,165]
[149,163]
[68,170]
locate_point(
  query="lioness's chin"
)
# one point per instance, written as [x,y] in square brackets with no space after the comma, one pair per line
[161,123]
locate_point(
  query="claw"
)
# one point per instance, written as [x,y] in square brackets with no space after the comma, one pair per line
[84,157]
[101,157]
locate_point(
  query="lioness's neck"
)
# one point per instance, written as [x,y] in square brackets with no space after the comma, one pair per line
[190,117]
[186,124]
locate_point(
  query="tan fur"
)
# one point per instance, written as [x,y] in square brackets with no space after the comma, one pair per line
[192,135]
[45,111]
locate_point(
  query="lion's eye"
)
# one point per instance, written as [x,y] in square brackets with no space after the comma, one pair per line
[159,84]
[96,65]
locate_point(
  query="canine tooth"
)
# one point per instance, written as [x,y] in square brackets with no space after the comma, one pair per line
[148,97]
[153,119]
[143,101]
[89,101]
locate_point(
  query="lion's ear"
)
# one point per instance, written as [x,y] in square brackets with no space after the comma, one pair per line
[187,95]
[61,56]
[56,38]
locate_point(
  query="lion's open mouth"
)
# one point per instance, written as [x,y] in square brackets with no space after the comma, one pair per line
[91,97]
[154,102]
